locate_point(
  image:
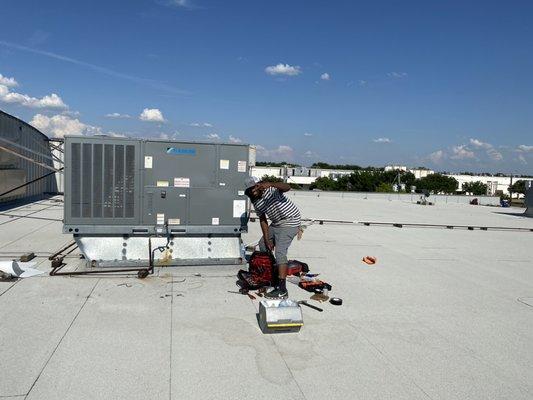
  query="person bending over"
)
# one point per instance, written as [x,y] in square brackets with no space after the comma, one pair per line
[269,201]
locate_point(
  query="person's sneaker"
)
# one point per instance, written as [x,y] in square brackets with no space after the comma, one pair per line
[277,294]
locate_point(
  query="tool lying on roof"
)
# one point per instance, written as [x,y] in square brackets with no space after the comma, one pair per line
[311,285]
[305,303]
[335,301]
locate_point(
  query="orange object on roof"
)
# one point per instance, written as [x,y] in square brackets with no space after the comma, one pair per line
[369,260]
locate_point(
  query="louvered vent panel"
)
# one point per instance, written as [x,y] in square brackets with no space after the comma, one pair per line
[87,164]
[108,181]
[98,179]
[129,177]
[76,180]
[102,181]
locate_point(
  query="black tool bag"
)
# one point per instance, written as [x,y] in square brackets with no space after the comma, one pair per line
[261,271]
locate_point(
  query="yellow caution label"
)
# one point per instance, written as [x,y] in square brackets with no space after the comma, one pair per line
[290,325]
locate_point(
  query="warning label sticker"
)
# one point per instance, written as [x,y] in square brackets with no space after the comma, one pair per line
[174,221]
[182,182]
[162,183]
[241,166]
[215,221]
[239,208]
[148,160]
[224,164]
[160,219]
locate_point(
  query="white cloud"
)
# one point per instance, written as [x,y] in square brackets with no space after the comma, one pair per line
[61,125]
[283,69]
[116,115]
[363,83]
[9,82]
[437,157]
[71,113]
[462,152]
[494,154]
[382,140]
[397,75]
[181,3]
[282,152]
[325,76]
[522,159]
[307,134]
[152,115]
[201,124]
[51,101]
[525,148]
[310,154]
[116,134]
[234,139]
[479,144]
[213,136]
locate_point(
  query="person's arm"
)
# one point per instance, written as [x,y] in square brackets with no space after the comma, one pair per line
[281,186]
[264,227]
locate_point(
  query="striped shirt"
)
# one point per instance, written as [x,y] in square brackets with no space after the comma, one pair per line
[280,210]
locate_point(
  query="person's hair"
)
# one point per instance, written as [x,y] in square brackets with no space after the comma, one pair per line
[248,192]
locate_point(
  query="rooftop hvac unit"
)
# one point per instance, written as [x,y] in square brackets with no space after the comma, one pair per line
[120,192]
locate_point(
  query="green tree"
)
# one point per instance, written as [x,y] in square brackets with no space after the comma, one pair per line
[271,178]
[437,183]
[325,183]
[384,188]
[323,165]
[275,164]
[518,187]
[477,188]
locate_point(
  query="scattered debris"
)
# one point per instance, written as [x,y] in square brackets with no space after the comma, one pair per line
[19,269]
[183,280]
[124,284]
[27,257]
[197,274]
[370,260]
[319,297]
[335,301]
[310,284]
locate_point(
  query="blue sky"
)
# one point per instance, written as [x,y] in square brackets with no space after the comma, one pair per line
[447,85]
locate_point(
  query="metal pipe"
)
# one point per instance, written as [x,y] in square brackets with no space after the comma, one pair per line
[25,148]
[62,250]
[30,159]
[30,182]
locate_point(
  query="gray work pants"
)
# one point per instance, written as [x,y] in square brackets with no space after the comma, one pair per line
[281,237]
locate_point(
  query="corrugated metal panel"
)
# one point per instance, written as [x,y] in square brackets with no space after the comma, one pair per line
[22,134]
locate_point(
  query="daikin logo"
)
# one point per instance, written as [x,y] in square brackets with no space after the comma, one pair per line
[181,151]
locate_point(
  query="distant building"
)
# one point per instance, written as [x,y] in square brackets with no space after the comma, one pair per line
[417,172]
[299,175]
[495,184]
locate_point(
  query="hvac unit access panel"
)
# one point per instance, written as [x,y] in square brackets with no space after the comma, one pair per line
[123,186]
